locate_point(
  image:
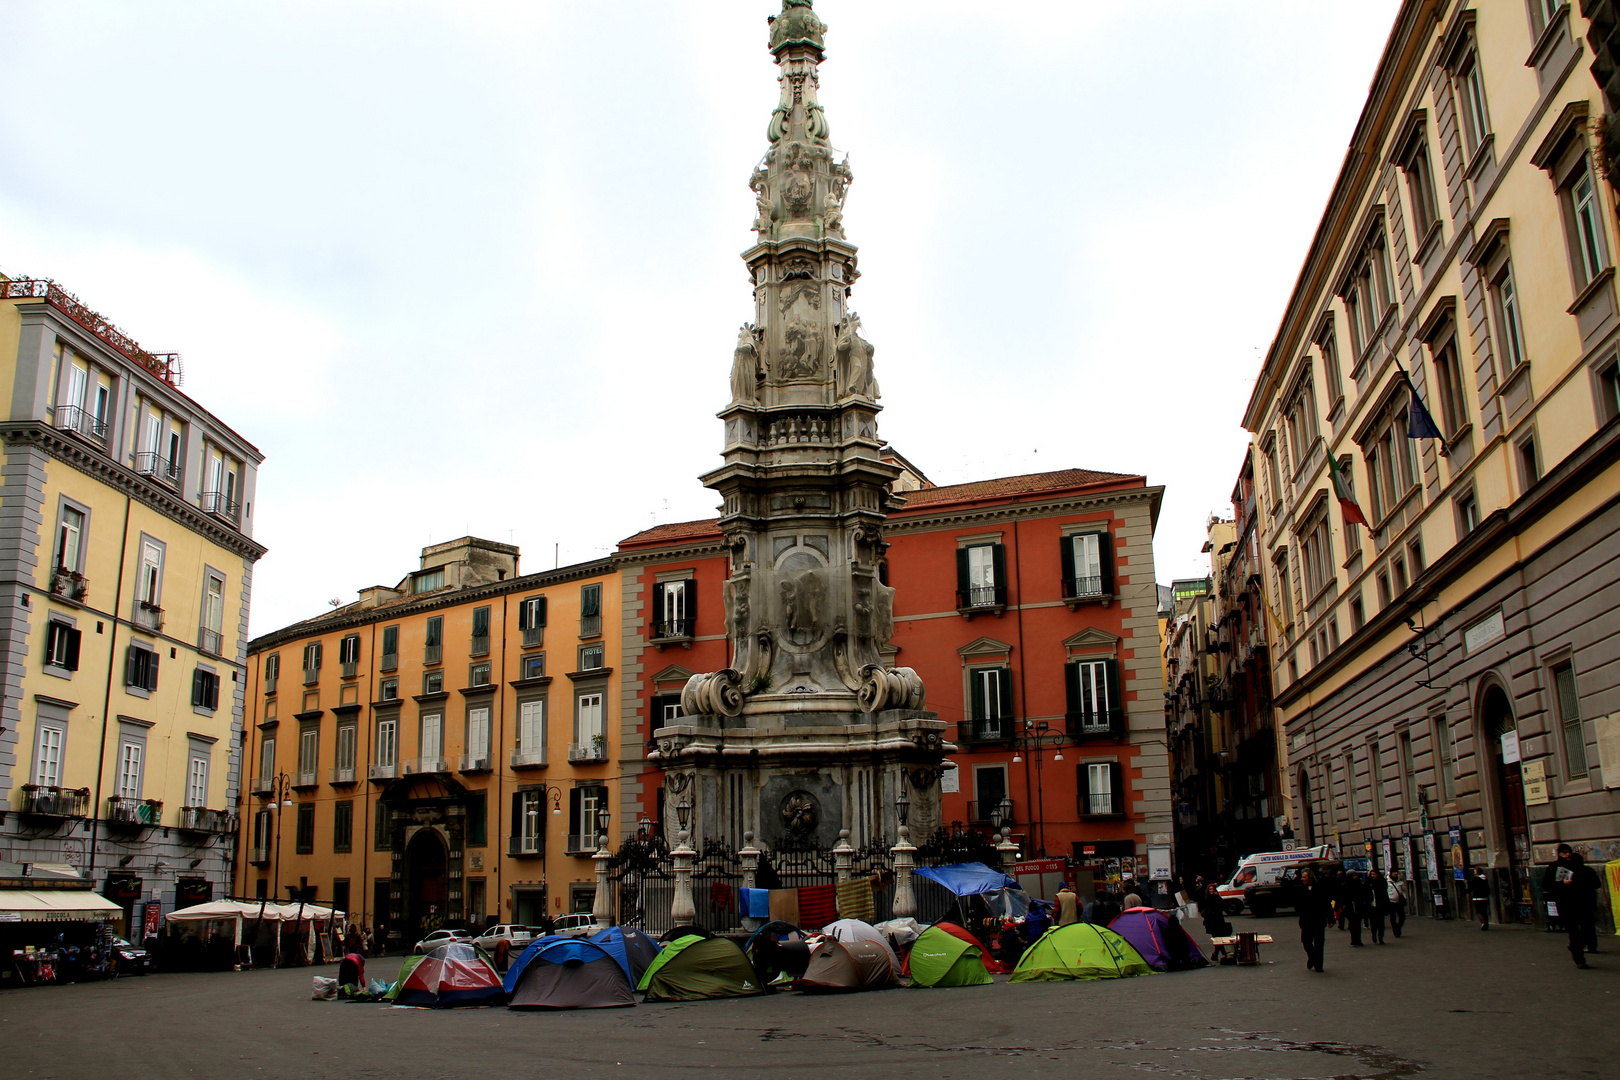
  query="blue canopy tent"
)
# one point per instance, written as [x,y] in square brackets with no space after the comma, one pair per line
[1002,894]
[571,973]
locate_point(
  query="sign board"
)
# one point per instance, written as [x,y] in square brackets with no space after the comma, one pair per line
[1431,860]
[154,918]
[1535,782]
[1482,633]
[950,781]
[1038,866]
[1459,871]
[1510,747]
[1159,864]
[1040,878]
[10,916]
[1607,729]
[1389,858]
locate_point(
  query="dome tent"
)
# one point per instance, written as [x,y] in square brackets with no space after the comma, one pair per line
[778,951]
[570,973]
[838,966]
[635,949]
[947,955]
[457,973]
[696,968]
[1079,951]
[1158,936]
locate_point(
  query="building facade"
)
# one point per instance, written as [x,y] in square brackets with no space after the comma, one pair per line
[1028,607]
[1445,676]
[442,752]
[126,566]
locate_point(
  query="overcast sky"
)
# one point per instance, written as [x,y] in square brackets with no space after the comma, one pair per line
[472,268]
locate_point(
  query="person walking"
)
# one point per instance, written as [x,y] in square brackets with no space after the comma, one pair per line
[1212,909]
[1572,885]
[1397,905]
[1377,898]
[1068,906]
[1314,910]
[1351,893]
[1479,894]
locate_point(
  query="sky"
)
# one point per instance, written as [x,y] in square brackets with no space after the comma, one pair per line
[473,267]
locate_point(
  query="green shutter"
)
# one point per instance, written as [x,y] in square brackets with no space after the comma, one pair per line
[151,670]
[1006,693]
[1116,710]
[961,577]
[976,692]
[1082,785]
[1071,688]
[481,622]
[998,562]
[517,815]
[539,612]
[73,636]
[574,806]
[1116,784]
[690,603]
[1066,559]
[1105,559]
[658,610]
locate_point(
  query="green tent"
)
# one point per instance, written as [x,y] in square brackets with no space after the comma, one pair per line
[694,968]
[1079,951]
[946,955]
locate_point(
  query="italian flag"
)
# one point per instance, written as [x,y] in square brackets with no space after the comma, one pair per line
[1341,487]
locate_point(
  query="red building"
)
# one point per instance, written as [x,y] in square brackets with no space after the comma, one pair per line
[1028,606]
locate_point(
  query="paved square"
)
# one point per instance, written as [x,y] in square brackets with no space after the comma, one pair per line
[1444,1001]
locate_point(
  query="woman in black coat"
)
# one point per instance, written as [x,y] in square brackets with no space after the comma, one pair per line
[1375,902]
[1212,909]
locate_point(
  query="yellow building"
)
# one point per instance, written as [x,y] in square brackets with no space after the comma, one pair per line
[1446,676]
[126,561]
[440,752]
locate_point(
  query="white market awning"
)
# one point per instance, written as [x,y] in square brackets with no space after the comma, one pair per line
[56,905]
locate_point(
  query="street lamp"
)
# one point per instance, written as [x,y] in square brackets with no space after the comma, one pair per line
[1036,735]
[682,911]
[281,798]
[602,906]
[905,903]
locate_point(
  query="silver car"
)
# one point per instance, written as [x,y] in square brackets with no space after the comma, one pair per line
[516,937]
[577,924]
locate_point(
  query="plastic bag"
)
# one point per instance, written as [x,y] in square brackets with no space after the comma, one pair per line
[324,990]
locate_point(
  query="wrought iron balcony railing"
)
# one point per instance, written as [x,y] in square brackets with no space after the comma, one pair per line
[995,730]
[215,502]
[69,583]
[525,846]
[200,819]
[81,422]
[389,662]
[528,759]
[664,629]
[158,468]
[1082,587]
[480,645]
[980,811]
[210,641]
[148,616]
[981,596]
[432,654]
[165,366]
[534,635]
[590,626]
[259,855]
[48,800]
[134,813]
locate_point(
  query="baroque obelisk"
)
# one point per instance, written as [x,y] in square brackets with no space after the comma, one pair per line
[807,733]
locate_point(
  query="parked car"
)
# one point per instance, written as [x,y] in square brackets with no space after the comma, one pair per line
[516,937]
[577,924]
[1262,868]
[130,958]
[1265,901]
[442,937]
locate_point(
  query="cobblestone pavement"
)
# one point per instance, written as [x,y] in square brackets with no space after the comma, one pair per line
[1444,1001]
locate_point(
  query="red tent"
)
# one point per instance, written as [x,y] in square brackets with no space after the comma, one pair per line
[453,974]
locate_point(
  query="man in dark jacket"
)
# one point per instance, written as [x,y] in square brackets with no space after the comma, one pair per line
[1572,885]
[1352,894]
[1479,894]
[1313,908]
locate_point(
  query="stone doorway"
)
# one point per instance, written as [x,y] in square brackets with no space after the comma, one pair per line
[426,884]
[1512,826]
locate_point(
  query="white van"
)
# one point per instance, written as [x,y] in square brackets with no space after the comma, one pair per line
[1263,869]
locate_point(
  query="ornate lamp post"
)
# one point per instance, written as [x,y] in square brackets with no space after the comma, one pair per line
[1037,735]
[905,902]
[281,800]
[681,910]
[537,828]
[602,907]
[1006,848]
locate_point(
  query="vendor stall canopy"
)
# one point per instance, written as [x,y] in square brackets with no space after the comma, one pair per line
[56,905]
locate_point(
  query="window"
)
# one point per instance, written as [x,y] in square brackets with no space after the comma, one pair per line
[141,668]
[49,740]
[1542,12]
[584,816]
[1093,697]
[312,663]
[390,648]
[665,710]
[70,540]
[1608,383]
[1375,767]
[1471,101]
[1414,551]
[480,631]
[478,674]
[149,587]
[78,380]
[1453,390]
[388,690]
[1420,181]
[267,757]
[1334,378]
[531,727]
[1087,565]
[1467,513]
[382,831]
[672,608]
[1285,592]
[309,749]
[980,576]
[477,822]
[1586,225]
[387,741]
[272,672]
[532,620]
[433,641]
[204,689]
[1569,719]
[348,735]
[61,645]
[588,720]
[306,829]
[1529,463]
[1101,786]
[431,743]
[349,654]
[478,735]
[1358,616]
[428,581]
[590,658]
[264,836]
[1275,475]
[342,827]
[433,682]
[989,791]
[1384,593]
[1316,556]
[1392,465]
[129,768]
[590,610]
[1299,413]
[1509,326]
[212,638]
[1440,735]
[1403,747]
[528,822]
[1398,566]
[534,667]
[1352,792]
[1368,291]
[991,702]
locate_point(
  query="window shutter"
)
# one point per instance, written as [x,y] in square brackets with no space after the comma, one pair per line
[1006,693]
[976,692]
[1066,557]
[1105,559]
[131,677]
[317,663]
[197,687]
[1116,710]
[962,577]
[1071,687]
[1082,785]
[73,637]
[540,612]
[689,605]
[574,806]
[1116,788]
[213,691]
[152,671]
[480,622]
[517,814]
[998,562]
[658,607]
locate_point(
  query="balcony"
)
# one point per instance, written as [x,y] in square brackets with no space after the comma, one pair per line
[209,641]
[999,729]
[426,765]
[77,420]
[269,685]
[303,779]
[672,629]
[389,662]
[349,669]
[528,759]
[383,772]
[533,636]
[1082,588]
[582,845]
[1098,724]
[50,801]
[69,584]
[982,598]
[262,785]
[259,855]
[480,645]
[525,847]
[596,750]
[979,812]
[126,813]
[200,819]
[148,616]
[312,675]
[472,764]
[590,626]
[158,468]
[432,654]
[215,502]
[341,775]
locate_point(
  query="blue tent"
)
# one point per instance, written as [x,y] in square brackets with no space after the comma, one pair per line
[571,973]
[967,879]
[632,948]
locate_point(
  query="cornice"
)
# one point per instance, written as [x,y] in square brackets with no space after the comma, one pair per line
[98,466]
[924,521]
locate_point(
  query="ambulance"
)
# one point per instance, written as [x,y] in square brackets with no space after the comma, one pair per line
[1263,869]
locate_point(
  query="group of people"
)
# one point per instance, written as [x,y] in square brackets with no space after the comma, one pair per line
[1351,899]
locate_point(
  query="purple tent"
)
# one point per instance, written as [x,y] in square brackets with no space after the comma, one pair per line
[1159,938]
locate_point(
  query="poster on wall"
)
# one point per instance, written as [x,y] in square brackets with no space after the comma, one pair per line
[153,920]
[1510,747]
[950,781]
[1389,860]
[1158,863]
[1431,860]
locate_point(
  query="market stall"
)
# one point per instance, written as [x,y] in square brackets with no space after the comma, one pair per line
[53,928]
[235,933]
